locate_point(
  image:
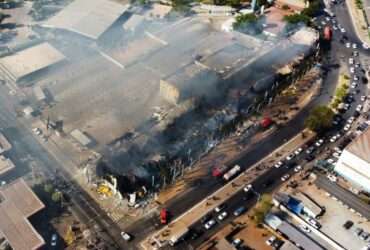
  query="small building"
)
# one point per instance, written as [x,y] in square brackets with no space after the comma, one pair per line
[29,62]
[133,23]
[5,165]
[4,144]
[17,203]
[82,138]
[28,111]
[354,162]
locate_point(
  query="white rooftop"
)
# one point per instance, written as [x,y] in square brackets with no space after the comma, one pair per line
[90,18]
[30,60]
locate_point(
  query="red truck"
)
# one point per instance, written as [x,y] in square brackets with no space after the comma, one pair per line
[164,216]
[328,33]
[218,171]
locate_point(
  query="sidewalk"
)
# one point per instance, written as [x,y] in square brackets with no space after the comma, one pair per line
[358,21]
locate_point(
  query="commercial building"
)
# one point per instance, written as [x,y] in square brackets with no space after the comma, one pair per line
[17,204]
[90,18]
[291,233]
[354,162]
[29,62]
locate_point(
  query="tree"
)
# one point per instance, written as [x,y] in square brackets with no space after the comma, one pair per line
[247,23]
[297,18]
[262,208]
[312,9]
[56,196]
[320,118]
[48,188]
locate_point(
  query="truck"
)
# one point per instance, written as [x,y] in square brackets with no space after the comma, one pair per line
[218,171]
[232,173]
[328,33]
[164,216]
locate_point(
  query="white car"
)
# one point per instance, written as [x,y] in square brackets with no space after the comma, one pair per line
[54,239]
[285,177]
[351,120]
[247,188]
[363,98]
[237,242]
[319,142]
[327,18]
[37,131]
[342,30]
[365,46]
[126,236]
[331,161]
[305,228]
[351,61]
[337,149]
[298,168]
[336,154]
[290,157]
[347,127]
[355,78]
[333,138]
[354,46]
[278,164]
[323,23]
[298,151]
[209,224]
[352,69]
[270,240]
[357,65]
[222,216]
[348,45]
[332,178]
[335,27]
[359,108]
[353,85]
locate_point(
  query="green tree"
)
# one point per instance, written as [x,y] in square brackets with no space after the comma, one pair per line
[262,208]
[312,9]
[320,118]
[247,23]
[297,18]
[48,188]
[56,196]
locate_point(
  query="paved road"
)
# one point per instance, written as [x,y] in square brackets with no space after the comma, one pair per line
[26,148]
[344,195]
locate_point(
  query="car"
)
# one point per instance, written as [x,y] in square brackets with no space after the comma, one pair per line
[354,46]
[270,240]
[342,30]
[247,188]
[351,61]
[365,46]
[298,168]
[37,131]
[333,138]
[314,223]
[209,224]
[348,45]
[323,23]
[351,120]
[290,157]
[298,151]
[330,161]
[337,149]
[327,18]
[278,164]
[336,154]
[309,158]
[356,78]
[310,150]
[126,236]
[363,98]
[353,85]
[359,108]
[358,231]
[348,224]
[205,218]
[332,178]
[240,210]
[54,239]
[237,242]
[357,65]
[319,142]
[285,177]
[222,216]
[352,70]
[335,27]
[364,235]
[305,228]
[220,207]
[355,53]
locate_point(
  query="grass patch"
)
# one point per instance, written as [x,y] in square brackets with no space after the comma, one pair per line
[341,91]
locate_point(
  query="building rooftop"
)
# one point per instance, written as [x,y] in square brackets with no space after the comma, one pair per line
[5,165]
[30,60]
[360,146]
[80,137]
[17,203]
[4,144]
[309,203]
[90,18]
[158,11]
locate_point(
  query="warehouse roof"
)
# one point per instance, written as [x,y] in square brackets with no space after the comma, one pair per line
[17,203]
[360,146]
[30,60]
[81,137]
[90,18]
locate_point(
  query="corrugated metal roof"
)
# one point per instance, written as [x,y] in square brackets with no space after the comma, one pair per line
[360,146]
[90,18]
